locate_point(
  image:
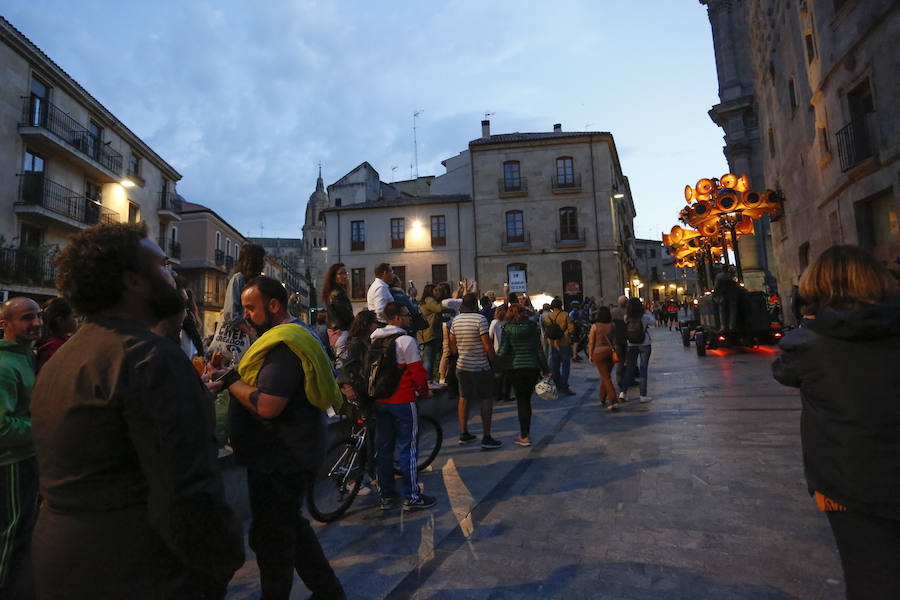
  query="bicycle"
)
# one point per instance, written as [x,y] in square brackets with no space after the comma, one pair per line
[348,460]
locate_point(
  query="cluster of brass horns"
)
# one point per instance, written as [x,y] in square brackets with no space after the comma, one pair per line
[712,203]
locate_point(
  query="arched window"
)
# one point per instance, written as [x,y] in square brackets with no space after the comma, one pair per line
[572,282]
[568,223]
[515,227]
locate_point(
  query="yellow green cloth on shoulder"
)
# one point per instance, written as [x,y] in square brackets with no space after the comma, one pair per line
[321,389]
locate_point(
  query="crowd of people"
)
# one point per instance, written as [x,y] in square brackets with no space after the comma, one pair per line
[109,362]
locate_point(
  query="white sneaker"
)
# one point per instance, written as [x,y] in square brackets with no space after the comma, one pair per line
[622,397]
[645,399]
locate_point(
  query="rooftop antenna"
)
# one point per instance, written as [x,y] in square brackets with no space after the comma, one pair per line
[393,170]
[261,229]
[410,171]
[489,114]
[415,143]
[587,126]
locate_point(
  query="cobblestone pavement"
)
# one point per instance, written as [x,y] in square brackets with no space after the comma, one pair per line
[698,494]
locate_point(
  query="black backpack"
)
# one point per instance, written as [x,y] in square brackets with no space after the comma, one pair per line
[634,331]
[552,330]
[384,373]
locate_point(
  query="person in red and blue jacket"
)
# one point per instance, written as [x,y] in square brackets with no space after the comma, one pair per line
[396,417]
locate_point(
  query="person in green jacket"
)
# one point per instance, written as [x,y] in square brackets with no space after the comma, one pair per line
[20,320]
[521,338]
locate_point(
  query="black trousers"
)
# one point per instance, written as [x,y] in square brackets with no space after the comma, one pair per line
[523,382]
[870,554]
[283,539]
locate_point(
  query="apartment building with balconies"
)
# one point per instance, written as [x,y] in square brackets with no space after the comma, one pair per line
[210,247]
[427,239]
[66,163]
[556,206]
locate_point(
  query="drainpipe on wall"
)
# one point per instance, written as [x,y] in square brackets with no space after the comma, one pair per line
[339,235]
[596,223]
[474,212]
[459,242]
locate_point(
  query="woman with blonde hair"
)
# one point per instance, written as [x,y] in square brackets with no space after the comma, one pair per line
[844,358]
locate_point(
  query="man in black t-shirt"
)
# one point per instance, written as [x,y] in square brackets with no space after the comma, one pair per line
[280,437]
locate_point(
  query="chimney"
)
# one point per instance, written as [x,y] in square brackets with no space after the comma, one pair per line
[557,128]
[485,129]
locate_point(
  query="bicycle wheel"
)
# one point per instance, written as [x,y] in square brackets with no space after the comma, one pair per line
[337,481]
[430,438]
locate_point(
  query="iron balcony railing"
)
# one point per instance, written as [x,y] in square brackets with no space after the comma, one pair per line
[229,261]
[35,189]
[26,266]
[512,241]
[170,247]
[512,185]
[562,182]
[37,112]
[220,257]
[170,201]
[571,236]
[854,143]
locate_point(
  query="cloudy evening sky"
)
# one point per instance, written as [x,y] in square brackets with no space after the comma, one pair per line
[245,98]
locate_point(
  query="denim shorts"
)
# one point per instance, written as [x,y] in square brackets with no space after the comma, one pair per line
[474,385]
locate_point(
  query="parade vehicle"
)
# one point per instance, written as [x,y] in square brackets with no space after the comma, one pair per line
[731,318]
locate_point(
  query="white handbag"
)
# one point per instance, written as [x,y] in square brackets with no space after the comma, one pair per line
[546,389]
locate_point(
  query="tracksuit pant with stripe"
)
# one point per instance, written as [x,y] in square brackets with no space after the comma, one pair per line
[18,513]
[397,425]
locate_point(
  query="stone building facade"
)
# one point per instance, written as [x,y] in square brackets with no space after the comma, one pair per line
[549,212]
[210,249]
[66,162]
[824,80]
[736,114]
[661,279]
[425,239]
[556,206]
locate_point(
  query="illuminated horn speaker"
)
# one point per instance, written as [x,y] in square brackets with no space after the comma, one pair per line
[688,194]
[666,239]
[753,213]
[751,199]
[676,235]
[709,229]
[729,180]
[705,186]
[744,226]
[728,200]
[743,184]
[702,209]
[769,200]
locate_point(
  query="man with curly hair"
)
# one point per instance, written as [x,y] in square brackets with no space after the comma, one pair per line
[134,505]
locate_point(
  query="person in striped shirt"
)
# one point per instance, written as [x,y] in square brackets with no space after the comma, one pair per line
[470,340]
